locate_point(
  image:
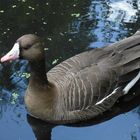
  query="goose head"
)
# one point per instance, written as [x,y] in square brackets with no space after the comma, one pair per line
[27,47]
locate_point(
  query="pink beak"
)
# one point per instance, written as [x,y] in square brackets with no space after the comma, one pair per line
[12,54]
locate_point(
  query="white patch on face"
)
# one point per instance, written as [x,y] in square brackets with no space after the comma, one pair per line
[15,50]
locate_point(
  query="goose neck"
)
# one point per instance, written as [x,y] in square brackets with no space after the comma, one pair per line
[38,71]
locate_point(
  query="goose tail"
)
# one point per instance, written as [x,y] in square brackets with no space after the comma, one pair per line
[127,54]
[125,60]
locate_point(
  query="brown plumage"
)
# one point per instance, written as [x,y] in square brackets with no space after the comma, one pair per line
[81,87]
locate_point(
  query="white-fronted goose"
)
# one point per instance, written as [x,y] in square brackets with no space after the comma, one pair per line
[81,87]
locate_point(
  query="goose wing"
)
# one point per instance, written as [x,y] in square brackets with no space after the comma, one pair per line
[83,81]
[87,82]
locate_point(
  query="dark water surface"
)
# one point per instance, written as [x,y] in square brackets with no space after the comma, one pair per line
[68,27]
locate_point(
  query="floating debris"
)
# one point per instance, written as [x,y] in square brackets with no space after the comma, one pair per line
[30,7]
[14,97]
[27,13]
[55,61]
[14,6]
[45,49]
[44,23]
[1,11]
[75,14]
[25,75]
[70,40]
[50,39]
[61,34]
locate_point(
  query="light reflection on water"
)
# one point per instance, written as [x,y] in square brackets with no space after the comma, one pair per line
[125,10]
[92,24]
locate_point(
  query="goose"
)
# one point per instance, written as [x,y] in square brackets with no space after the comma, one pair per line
[81,87]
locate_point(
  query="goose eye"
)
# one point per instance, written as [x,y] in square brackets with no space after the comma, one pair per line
[25,48]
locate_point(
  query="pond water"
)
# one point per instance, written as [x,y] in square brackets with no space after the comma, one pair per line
[68,27]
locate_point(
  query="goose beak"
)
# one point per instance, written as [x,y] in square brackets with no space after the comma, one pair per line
[12,54]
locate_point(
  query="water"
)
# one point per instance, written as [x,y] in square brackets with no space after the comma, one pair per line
[67,27]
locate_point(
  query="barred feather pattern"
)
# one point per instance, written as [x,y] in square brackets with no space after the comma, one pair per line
[81,86]
[87,78]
